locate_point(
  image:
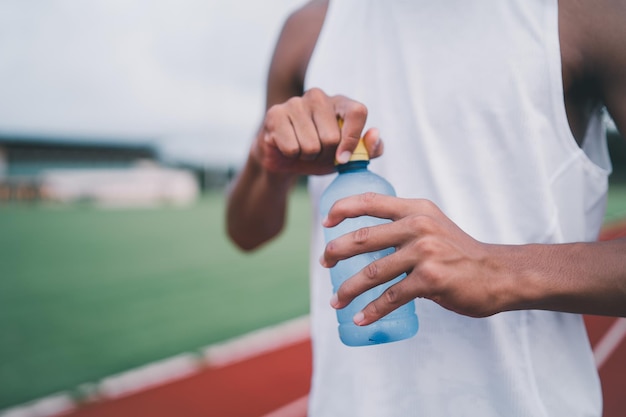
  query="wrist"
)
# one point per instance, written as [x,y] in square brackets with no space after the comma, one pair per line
[520,275]
[578,277]
[278,181]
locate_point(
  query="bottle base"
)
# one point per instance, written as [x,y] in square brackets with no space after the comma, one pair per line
[381,331]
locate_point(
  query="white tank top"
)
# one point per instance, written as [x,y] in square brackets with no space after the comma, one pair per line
[468,98]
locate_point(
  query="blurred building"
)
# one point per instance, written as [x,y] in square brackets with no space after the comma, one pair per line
[105,172]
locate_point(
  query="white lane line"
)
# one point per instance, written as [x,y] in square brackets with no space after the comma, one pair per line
[53,405]
[258,342]
[297,408]
[148,376]
[609,342]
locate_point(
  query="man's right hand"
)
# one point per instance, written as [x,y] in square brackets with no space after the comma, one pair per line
[303,136]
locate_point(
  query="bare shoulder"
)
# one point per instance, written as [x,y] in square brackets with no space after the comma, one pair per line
[593,41]
[293,51]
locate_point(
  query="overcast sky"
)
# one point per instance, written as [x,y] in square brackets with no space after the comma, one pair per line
[187,72]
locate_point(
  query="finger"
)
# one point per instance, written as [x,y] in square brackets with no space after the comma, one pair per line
[373,143]
[324,117]
[412,211]
[318,127]
[378,272]
[371,204]
[394,297]
[354,116]
[328,131]
[364,240]
[279,132]
[306,136]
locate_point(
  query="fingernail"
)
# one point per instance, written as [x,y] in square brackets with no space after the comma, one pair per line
[322,261]
[377,144]
[358,318]
[334,301]
[344,157]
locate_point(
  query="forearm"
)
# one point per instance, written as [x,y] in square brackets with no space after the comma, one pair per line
[586,278]
[257,205]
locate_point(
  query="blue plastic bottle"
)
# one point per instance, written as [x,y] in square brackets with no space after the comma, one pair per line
[355,178]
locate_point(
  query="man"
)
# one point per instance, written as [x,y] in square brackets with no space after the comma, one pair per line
[492,119]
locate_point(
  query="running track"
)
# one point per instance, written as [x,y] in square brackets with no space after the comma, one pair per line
[273,380]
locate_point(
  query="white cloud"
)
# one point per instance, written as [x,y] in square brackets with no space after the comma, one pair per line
[150,68]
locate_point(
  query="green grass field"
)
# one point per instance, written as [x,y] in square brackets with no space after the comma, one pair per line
[86,293]
[616,207]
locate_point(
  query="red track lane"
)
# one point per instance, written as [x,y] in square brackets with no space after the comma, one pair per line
[613,371]
[260,385]
[612,375]
[614,230]
[250,388]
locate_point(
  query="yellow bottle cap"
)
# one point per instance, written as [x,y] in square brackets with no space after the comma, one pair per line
[360,152]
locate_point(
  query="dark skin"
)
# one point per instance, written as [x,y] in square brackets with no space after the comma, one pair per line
[300,136]
[592,37]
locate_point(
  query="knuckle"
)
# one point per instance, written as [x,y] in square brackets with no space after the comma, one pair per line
[272,116]
[428,206]
[420,223]
[430,274]
[361,235]
[392,296]
[330,137]
[316,95]
[290,150]
[294,102]
[425,246]
[358,109]
[311,149]
[368,198]
[414,222]
[374,310]
[371,271]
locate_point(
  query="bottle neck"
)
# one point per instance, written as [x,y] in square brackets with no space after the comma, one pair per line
[352,166]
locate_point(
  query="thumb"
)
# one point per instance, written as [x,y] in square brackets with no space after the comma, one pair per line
[373,143]
[351,123]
